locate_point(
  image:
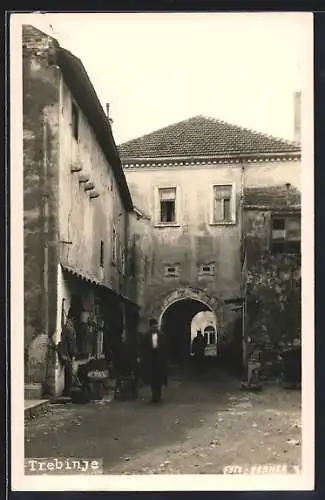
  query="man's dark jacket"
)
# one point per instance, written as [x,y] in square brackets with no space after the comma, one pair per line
[154,361]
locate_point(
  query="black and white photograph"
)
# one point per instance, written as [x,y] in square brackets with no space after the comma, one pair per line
[162,260]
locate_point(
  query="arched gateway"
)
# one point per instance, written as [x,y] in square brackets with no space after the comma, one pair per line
[176,313]
[187,293]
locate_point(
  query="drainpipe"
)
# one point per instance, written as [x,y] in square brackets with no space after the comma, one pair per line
[45,228]
[243,271]
[45,196]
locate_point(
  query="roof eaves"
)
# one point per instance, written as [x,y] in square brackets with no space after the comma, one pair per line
[277,208]
[78,80]
[223,156]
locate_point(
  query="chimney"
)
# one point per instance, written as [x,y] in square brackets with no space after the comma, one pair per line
[297,116]
[107,113]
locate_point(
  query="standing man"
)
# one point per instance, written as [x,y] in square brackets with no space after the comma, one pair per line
[67,349]
[154,360]
[198,346]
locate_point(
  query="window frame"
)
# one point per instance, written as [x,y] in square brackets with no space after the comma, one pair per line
[284,242]
[177,270]
[157,205]
[75,120]
[102,255]
[114,245]
[211,272]
[232,221]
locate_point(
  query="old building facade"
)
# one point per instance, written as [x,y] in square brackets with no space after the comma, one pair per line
[272,263]
[191,178]
[77,214]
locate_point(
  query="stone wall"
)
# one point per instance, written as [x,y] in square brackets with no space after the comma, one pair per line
[85,222]
[273,284]
[139,262]
[194,241]
[40,148]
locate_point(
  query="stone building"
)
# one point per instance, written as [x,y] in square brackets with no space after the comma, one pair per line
[77,214]
[190,178]
[272,263]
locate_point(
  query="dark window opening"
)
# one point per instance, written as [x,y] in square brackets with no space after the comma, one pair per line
[101,254]
[167,198]
[212,338]
[75,121]
[222,203]
[286,235]
[167,211]
[207,268]
[114,246]
[278,224]
[171,271]
[226,209]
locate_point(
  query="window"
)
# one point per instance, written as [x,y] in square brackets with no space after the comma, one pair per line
[101,254]
[114,246]
[171,271]
[123,263]
[207,269]
[222,204]
[167,199]
[286,234]
[75,121]
[210,335]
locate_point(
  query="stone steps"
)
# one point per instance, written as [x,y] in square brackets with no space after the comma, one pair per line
[33,408]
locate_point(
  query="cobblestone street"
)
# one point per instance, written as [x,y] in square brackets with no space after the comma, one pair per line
[202,427]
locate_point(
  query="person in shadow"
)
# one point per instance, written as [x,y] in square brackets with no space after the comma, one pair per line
[154,360]
[198,346]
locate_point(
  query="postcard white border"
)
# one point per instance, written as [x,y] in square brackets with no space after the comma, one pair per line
[20,482]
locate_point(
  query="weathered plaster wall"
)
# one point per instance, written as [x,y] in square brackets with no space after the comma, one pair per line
[273,173]
[195,241]
[139,263]
[273,283]
[41,149]
[85,222]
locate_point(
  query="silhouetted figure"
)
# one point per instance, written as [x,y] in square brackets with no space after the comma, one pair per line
[198,346]
[292,367]
[67,352]
[154,360]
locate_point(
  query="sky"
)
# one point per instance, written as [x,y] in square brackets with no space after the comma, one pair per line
[158,69]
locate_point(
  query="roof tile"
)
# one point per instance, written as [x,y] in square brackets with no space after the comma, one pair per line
[203,137]
[283,196]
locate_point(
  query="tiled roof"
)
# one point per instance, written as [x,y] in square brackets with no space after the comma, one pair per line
[280,196]
[203,137]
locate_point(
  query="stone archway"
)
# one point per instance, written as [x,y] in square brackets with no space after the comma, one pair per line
[176,313]
[187,293]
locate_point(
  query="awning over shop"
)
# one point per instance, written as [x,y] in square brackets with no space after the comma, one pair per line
[94,281]
[82,275]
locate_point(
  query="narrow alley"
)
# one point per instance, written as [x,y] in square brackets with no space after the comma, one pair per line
[203,426]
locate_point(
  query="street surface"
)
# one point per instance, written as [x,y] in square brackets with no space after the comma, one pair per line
[203,426]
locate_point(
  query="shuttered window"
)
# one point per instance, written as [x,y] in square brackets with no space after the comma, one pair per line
[222,203]
[167,199]
[286,234]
